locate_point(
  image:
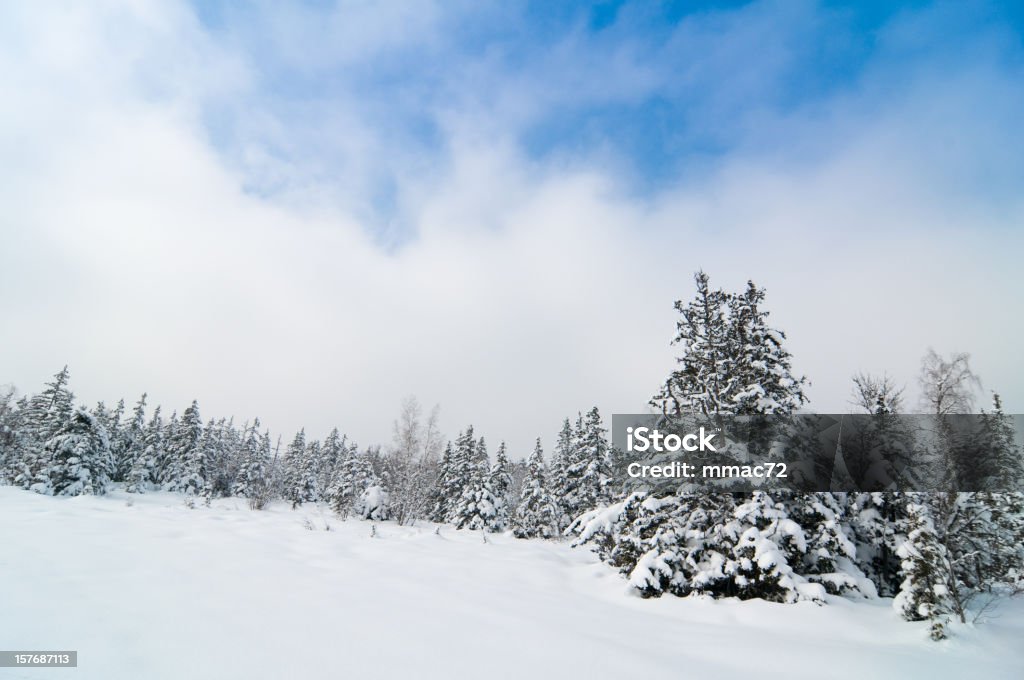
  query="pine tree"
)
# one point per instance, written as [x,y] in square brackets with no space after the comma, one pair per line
[332,454]
[557,480]
[537,514]
[40,418]
[146,469]
[830,554]
[131,441]
[447,488]
[761,365]
[588,473]
[1000,464]
[704,382]
[299,476]
[924,594]
[456,475]
[476,507]
[183,451]
[79,458]
[499,482]
[253,481]
[732,362]
[352,479]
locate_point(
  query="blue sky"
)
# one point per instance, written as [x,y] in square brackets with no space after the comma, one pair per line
[660,91]
[305,212]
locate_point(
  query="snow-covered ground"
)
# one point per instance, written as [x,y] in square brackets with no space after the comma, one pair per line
[144,587]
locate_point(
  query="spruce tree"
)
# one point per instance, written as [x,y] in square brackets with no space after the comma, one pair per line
[447,488]
[146,468]
[924,594]
[253,481]
[588,473]
[78,460]
[131,441]
[40,418]
[703,383]
[499,482]
[183,452]
[761,366]
[332,453]
[537,514]
[351,480]
[299,478]
[476,507]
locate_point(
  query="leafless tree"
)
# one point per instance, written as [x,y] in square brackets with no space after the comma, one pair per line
[411,460]
[877,394]
[947,385]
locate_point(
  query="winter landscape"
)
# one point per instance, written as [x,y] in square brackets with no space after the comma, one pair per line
[144,587]
[324,329]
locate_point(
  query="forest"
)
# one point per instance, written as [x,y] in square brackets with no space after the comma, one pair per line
[940,555]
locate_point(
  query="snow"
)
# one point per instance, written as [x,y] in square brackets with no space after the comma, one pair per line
[144,587]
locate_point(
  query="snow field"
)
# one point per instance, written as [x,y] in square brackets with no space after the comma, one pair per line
[145,587]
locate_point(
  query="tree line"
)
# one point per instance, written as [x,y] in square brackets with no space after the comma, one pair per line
[940,555]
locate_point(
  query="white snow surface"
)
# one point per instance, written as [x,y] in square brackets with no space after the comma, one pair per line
[145,587]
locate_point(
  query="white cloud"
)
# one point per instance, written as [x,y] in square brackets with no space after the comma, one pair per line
[131,249]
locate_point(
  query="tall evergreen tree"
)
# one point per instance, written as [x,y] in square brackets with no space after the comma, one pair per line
[130,441]
[79,458]
[448,486]
[299,481]
[253,481]
[924,594]
[588,473]
[352,479]
[761,365]
[499,483]
[702,383]
[184,456]
[146,468]
[42,417]
[537,514]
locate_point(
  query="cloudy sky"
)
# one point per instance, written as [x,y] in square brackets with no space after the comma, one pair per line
[307,211]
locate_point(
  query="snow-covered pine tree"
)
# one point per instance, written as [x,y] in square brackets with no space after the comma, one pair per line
[588,474]
[197,463]
[447,488]
[311,462]
[460,470]
[130,441]
[1001,465]
[78,458]
[499,482]
[830,555]
[332,452]
[705,381]
[299,479]
[183,452]
[769,544]
[39,419]
[878,523]
[353,478]
[253,481]
[476,508]
[115,433]
[924,593]
[557,481]
[537,513]
[761,366]
[146,468]
[8,435]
